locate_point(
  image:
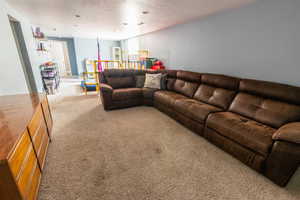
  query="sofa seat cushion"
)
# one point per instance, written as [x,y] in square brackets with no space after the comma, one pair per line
[148,93]
[194,109]
[167,97]
[126,93]
[246,132]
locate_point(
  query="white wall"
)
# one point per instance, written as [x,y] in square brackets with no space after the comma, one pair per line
[12,79]
[87,48]
[260,41]
[58,56]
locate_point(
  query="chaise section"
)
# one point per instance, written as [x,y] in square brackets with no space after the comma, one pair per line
[246,132]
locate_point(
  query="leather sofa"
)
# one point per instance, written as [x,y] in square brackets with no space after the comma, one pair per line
[257,122]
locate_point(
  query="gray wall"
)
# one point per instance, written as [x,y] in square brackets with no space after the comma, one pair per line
[71,51]
[87,49]
[260,40]
[12,79]
[11,72]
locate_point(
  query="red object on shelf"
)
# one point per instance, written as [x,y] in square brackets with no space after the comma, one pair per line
[158,65]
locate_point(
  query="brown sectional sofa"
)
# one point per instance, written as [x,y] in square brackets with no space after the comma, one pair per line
[257,122]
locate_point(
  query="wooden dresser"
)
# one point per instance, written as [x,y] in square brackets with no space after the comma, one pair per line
[25,127]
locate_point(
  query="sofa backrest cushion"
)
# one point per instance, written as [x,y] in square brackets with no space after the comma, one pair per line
[118,78]
[127,78]
[121,82]
[269,103]
[218,90]
[186,83]
[276,91]
[171,78]
[221,81]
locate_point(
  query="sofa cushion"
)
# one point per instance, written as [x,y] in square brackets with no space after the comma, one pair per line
[276,91]
[170,83]
[251,158]
[148,93]
[246,132]
[194,109]
[153,81]
[121,82]
[220,81]
[185,82]
[167,97]
[267,111]
[186,88]
[215,96]
[126,93]
[139,81]
[193,77]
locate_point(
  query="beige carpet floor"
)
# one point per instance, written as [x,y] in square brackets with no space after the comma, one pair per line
[142,154]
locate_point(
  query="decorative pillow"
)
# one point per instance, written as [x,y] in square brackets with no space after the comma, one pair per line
[153,81]
[121,82]
[140,81]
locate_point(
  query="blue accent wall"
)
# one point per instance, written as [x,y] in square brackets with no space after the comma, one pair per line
[86,48]
[72,53]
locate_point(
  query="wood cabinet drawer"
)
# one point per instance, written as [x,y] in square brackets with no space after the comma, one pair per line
[37,139]
[35,182]
[27,172]
[36,121]
[18,157]
[47,114]
[42,151]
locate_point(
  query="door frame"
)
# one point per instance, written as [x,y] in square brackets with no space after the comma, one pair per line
[23,54]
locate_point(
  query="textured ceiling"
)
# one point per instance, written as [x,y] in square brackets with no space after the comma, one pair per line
[105,18]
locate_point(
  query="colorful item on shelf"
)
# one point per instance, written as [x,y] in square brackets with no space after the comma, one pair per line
[50,63]
[158,65]
[50,77]
[88,86]
[90,77]
[37,33]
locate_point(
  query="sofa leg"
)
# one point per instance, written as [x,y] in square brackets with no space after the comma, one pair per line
[282,162]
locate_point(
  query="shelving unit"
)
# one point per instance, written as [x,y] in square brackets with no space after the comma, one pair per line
[50,77]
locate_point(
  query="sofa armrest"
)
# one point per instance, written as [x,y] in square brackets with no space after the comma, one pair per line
[106,95]
[105,88]
[289,133]
[282,162]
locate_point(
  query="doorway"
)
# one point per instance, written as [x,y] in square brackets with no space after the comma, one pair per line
[23,54]
[60,55]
